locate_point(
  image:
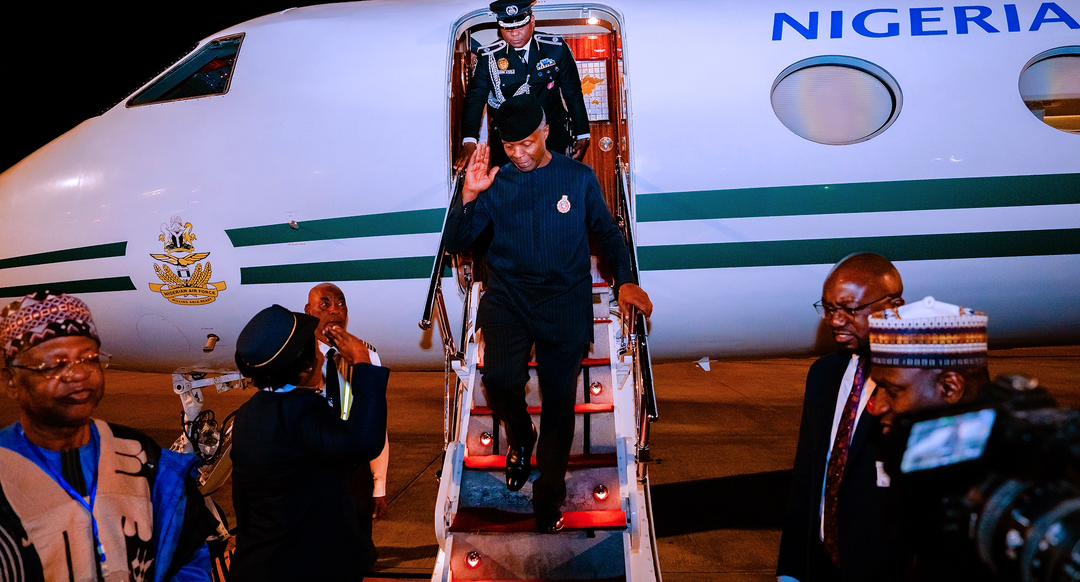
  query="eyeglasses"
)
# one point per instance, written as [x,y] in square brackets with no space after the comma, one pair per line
[829,311]
[61,369]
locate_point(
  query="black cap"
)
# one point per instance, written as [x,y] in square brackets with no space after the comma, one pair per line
[518,117]
[512,13]
[273,340]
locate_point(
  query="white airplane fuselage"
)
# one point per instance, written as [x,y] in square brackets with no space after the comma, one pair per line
[337,120]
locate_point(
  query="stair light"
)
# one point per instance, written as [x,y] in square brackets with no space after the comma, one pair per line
[472,559]
[596,388]
[600,493]
[485,439]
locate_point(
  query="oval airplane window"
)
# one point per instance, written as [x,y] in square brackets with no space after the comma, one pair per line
[1050,87]
[836,100]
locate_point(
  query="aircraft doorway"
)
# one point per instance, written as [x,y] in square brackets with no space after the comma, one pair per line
[593,34]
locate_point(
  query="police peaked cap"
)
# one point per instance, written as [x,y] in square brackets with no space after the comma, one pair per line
[518,117]
[512,13]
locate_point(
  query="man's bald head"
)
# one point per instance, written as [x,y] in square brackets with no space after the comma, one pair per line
[857,286]
[872,269]
[327,302]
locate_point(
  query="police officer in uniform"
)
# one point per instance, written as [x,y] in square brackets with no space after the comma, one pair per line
[541,211]
[525,62]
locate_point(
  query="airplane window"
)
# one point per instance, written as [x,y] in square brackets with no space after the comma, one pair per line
[836,100]
[207,72]
[1050,87]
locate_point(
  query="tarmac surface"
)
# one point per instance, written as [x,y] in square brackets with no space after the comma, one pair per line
[723,451]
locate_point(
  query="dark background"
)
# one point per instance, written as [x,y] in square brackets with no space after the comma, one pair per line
[63,64]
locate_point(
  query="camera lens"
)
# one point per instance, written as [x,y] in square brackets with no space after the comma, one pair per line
[1030,531]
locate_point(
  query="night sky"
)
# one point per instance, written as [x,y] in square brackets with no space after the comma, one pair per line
[62,64]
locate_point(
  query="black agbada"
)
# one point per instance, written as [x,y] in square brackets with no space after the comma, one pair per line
[539,257]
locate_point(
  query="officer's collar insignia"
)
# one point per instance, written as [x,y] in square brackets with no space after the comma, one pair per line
[545,63]
[504,64]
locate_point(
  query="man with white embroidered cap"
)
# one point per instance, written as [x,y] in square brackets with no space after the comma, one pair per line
[80,498]
[541,210]
[525,62]
[930,356]
[926,355]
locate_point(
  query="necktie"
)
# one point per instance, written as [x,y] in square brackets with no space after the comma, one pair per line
[522,55]
[834,474]
[333,386]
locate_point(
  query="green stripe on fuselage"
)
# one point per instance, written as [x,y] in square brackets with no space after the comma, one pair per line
[938,194]
[391,223]
[103,285]
[359,270]
[117,249]
[929,247]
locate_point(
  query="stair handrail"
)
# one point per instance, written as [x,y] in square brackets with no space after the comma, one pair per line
[435,304]
[639,330]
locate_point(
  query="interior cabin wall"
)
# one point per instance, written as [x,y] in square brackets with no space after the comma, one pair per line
[595,51]
[596,47]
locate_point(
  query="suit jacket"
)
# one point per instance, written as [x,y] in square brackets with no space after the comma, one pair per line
[538,260]
[551,75]
[293,460]
[869,537]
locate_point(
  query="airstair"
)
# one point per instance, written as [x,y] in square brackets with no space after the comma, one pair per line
[486,532]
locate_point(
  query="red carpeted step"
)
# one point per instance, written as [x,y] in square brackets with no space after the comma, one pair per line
[615,579]
[586,363]
[498,462]
[484,520]
[534,410]
[600,286]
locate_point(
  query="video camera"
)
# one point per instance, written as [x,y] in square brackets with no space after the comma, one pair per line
[994,484]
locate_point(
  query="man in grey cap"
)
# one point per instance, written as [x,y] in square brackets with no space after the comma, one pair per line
[541,209]
[525,62]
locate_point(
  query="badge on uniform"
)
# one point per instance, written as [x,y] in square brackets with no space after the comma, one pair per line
[545,63]
[564,205]
[504,64]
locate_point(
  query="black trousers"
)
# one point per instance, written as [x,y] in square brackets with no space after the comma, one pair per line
[506,372]
[362,485]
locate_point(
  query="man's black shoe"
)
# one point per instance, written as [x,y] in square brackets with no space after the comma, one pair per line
[518,463]
[549,520]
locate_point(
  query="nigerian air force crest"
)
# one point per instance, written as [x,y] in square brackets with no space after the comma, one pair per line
[185,275]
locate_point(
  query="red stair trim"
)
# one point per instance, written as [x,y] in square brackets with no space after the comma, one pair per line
[498,462]
[601,320]
[615,579]
[600,286]
[586,363]
[578,409]
[484,520]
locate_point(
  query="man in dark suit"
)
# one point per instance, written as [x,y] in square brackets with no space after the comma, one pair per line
[326,301]
[540,210]
[293,457]
[524,61]
[838,524]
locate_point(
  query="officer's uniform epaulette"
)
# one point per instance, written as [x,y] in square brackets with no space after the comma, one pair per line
[546,38]
[494,47]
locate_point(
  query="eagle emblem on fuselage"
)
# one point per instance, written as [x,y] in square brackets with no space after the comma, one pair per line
[180,284]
